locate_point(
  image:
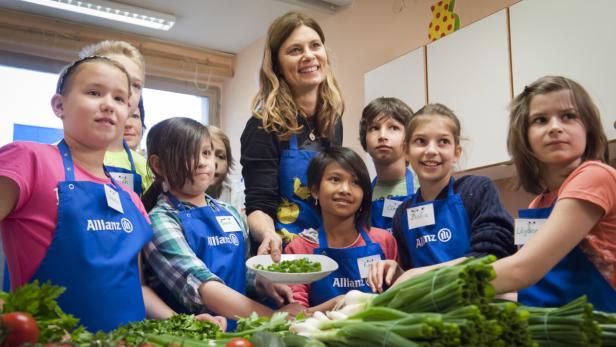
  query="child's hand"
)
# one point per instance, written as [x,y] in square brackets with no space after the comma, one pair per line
[280,293]
[293,309]
[383,271]
[218,320]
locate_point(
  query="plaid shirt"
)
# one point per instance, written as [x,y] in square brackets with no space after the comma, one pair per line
[172,263]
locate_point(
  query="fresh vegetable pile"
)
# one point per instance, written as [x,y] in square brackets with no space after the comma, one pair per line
[301,265]
[447,307]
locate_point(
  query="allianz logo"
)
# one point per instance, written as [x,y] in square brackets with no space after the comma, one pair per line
[103,225]
[222,240]
[443,235]
[344,282]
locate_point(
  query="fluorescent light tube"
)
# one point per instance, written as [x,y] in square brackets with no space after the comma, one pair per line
[114,11]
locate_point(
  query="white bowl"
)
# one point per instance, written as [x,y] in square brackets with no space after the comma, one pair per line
[328,265]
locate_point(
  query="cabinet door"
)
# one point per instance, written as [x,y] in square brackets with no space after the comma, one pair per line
[576,39]
[402,78]
[468,71]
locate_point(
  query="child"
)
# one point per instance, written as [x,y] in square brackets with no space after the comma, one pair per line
[124,164]
[64,220]
[198,248]
[339,182]
[381,132]
[559,149]
[133,131]
[447,220]
[223,189]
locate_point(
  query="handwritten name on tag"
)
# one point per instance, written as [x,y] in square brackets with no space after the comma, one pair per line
[420,216]
[525,228]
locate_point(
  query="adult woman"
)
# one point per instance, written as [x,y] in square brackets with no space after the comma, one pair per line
[296,114]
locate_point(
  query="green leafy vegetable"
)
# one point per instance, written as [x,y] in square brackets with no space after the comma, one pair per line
[40,302]
[302,265]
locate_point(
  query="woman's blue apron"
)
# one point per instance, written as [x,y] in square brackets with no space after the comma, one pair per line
[382,210]
[94,252]
[217,239]
[353,266]
[575,275]
[297,210]
[446,239]
[129,178]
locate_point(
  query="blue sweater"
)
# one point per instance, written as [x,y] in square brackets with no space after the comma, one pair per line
[491,226]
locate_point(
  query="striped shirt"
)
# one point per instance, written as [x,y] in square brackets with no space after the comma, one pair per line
[171,262]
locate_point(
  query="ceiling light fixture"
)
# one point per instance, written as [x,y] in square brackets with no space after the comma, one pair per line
[114,11]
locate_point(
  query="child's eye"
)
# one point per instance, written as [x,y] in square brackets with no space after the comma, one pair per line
[137,86]
[539,120]
[569,116]
[94,92]
[316,44]
[295,50]
[334,179]
[394,127]
[373,128]
[222,157]
[120,99]
[419,141]
[445,141]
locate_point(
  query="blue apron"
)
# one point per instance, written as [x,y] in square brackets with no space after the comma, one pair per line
[296,211]
[94,253]
[347,277]
[126,176]
[575,275]
[377,218]
[447,239]
[222,251]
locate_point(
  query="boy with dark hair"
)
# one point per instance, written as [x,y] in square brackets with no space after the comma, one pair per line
[382,135]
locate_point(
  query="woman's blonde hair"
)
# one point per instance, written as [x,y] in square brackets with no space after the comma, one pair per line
[274,104]
[526,163]
[115,47]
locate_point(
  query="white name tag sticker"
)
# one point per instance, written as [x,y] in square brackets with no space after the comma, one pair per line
[525,228]
[364,264]
[125,178]
[389,208]
[113,199]
[228,224]
[420,216]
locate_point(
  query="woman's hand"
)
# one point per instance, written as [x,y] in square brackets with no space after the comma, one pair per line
[383,271]
[218,320]
[272,245]
[280,293]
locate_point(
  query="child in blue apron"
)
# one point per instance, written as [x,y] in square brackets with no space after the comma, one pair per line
[560,152]
[339,182]
[381,133]
[64,219]
[124,164]
[199,247]
[447,220]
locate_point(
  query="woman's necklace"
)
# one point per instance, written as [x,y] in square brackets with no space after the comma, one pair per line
[311,135]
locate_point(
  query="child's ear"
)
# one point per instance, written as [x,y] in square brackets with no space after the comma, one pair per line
[154,163]
[314,192]
[458,153]
[57,105]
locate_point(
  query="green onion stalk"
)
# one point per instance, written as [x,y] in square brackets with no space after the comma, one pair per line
[572,324]
[607,322]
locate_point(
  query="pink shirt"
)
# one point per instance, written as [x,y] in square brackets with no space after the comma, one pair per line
[28,230]
[303,245]
[594,182]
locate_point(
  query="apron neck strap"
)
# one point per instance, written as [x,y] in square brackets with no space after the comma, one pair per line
[450,191]
[409,182]
[67,161]
[293,142]
[175,202]
[130,156]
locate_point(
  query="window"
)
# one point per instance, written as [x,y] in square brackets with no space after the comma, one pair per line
[25,111]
